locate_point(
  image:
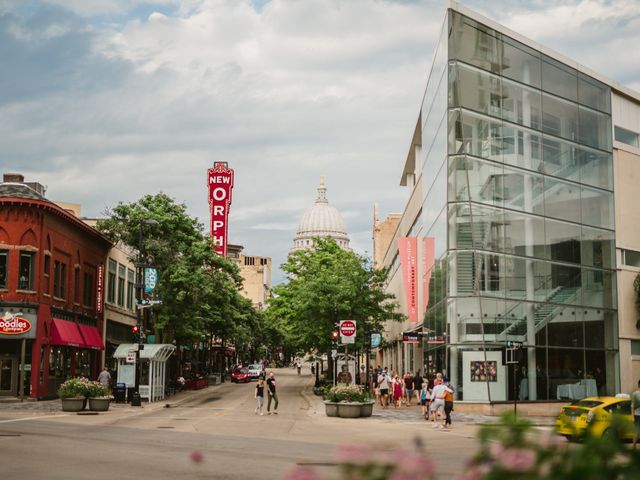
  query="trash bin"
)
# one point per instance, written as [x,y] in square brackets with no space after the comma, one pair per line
[130,391]
[120,393]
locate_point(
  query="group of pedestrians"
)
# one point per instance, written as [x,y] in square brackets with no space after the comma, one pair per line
[270,384]
[435,395]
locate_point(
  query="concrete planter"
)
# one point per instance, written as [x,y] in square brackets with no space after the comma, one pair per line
[99,404]
[349,410]
[331,408]
[73,404]
[366,409]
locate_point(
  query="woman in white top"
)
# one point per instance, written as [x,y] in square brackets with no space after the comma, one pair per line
[437,402]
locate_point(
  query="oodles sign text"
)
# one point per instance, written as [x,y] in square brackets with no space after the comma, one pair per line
[14,325]
[220,182]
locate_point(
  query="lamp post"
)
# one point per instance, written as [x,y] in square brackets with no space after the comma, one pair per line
[140,265]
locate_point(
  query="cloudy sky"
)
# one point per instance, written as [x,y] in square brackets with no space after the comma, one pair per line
[106,100]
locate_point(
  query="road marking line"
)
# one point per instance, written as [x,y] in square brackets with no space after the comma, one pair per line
[30,418]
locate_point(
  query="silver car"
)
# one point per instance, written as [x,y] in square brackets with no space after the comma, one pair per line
[255,370]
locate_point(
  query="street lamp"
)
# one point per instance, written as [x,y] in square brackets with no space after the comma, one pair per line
[140,265]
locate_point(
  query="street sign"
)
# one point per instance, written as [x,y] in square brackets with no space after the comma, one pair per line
[347,331]
[131,356]
[435,340]
[511,344]
[155,302]
[150,279]
[376,340]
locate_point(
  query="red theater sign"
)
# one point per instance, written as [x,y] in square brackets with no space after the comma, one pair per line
[220,182]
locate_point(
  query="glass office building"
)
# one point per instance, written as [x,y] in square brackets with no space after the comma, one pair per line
[516,169]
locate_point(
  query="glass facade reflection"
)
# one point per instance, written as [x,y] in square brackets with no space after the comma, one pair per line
[517,170]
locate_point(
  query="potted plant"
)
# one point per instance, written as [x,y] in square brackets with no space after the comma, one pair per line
[347,401]
[99,397]
[73,394]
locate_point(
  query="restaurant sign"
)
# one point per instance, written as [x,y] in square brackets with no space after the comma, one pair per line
[11,324]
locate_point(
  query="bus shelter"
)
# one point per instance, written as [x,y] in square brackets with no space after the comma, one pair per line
[153,371]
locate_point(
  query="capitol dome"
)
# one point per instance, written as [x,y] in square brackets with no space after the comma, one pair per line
[321,220]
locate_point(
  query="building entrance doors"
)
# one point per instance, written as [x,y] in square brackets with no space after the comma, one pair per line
[8,375]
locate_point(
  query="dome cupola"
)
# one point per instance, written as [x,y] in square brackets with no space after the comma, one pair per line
[321,220]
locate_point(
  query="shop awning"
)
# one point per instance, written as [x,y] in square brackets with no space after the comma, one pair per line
[64,332]
[91,336]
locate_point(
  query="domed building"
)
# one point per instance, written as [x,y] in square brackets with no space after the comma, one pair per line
[321,220]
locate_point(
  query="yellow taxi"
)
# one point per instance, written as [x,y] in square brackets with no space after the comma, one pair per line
[594,416]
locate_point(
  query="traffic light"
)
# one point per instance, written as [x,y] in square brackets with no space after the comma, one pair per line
[334,336]
[134,331]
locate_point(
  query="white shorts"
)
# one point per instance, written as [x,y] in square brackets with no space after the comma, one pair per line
[437,404]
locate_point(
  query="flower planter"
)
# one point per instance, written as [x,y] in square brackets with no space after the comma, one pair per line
[349,410]
[99,404]
[73,404]
[366,409]
[331,408]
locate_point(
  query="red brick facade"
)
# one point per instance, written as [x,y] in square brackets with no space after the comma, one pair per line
[62,255]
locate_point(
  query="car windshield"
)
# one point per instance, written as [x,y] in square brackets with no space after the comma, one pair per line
[242,370]
[255,367]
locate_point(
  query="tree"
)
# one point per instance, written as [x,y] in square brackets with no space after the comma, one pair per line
[199,289]
[326,284]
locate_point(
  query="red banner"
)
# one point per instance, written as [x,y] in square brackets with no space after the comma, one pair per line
[407,247]
[428,257]
[220,183]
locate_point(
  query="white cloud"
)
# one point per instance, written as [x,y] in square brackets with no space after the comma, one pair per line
[104,101]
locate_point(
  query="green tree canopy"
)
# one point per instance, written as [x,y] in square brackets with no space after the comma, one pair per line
[326,284]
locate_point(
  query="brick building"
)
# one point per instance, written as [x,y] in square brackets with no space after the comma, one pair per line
[50,298]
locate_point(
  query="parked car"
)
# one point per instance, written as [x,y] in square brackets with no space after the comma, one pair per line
[594,416]
[255,370]
[240,375]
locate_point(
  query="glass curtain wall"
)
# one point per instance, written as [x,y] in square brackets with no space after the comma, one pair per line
[517,170]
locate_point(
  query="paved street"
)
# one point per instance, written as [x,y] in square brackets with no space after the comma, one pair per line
[219,423]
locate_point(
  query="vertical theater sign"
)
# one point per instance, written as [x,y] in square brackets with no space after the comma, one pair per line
[220,183]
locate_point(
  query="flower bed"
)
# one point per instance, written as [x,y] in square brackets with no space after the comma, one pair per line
[347,401]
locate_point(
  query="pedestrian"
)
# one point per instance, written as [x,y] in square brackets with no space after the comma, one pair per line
[383,385]
[260,397]
[298,365]
[635,406]
[417,386]
[408,388]
[105,377]
[271,394]
[397,390]
[437,402]
[425,396]
[448,405]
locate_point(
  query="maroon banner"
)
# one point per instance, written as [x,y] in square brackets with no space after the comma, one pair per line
[428,257]
[100,289]
[220,183]
[407,247]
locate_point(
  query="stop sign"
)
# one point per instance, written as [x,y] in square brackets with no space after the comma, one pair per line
[347,328]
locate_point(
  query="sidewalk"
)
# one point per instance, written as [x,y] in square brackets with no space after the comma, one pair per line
[413,414]
[13,404]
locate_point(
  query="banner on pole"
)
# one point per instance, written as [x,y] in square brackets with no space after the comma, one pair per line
[407,247]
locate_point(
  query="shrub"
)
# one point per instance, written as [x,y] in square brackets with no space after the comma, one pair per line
[76,387]
[346,393]
[96,390]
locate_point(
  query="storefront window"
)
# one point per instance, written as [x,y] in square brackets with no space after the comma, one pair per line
[122,273]
[84,366]
[111,281]
[60,362]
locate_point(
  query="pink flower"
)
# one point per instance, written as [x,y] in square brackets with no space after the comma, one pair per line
[496,450]
[355,454]
[475,473]
[196,456]
[517,459]
[412,465]
[301,473]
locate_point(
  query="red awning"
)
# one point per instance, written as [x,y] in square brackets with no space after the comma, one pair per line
[92,338]
[64,332]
